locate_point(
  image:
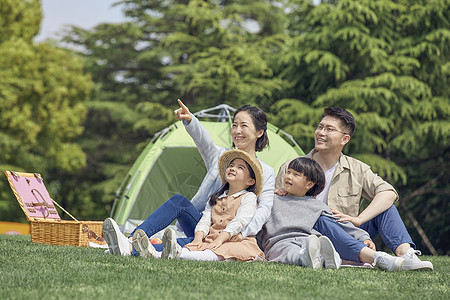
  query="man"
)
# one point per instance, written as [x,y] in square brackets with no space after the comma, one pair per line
[347,180]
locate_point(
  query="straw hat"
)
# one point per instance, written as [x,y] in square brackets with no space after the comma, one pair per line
[228,156]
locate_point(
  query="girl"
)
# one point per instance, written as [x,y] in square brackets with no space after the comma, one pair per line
[249,134]
[227,213]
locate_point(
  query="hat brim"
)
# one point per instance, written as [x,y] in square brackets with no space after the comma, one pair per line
[228,156]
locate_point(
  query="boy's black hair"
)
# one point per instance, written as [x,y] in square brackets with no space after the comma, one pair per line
[213,198]
[347,120]
[312,171]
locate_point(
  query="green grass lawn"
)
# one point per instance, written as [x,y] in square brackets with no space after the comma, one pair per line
[35,271]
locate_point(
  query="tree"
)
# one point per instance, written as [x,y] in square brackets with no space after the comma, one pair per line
[179,48]
[42,96]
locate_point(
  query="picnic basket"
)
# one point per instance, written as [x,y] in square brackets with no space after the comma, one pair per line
[46,225]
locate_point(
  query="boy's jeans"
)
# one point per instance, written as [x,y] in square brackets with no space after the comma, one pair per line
[388,225]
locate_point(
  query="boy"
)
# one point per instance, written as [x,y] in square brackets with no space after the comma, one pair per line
[289,237]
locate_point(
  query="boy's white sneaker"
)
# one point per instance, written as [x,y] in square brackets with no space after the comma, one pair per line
[329,254]
[310,257]
[117,242]
[412,262]
[142,244]
[388,262]
[171,248]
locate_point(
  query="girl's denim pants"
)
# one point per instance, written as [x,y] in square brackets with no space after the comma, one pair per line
[176,208]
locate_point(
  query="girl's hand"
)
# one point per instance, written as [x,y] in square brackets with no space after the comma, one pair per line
[194,243]
[222,238]
[237,238]
[183,112]
[215,244]
[370,244]
[198,240]
[343,217]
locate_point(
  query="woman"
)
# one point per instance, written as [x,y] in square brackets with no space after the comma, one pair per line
[249,134]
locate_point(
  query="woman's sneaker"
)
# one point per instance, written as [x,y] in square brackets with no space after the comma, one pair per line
[310,257]
[329,254]
[142,244]
[413,263]
[388,262]
[118,244]
[171,248]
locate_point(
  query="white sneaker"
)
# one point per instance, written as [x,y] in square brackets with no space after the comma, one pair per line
[117,242]
[171,248]
[329,254]
[387,262]
[310,258]
[412,262]
[142,244]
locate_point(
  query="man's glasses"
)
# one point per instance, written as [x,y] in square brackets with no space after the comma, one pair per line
[328,130]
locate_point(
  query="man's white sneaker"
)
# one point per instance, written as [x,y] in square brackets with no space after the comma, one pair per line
[412,262]
[117,243]
[142,244]
[171,248]
[310,257]
[329,254]
[388,262]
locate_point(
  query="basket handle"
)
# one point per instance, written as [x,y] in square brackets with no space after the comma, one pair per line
[43,204]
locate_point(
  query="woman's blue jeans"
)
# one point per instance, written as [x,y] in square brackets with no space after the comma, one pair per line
[388,225]
[176,208]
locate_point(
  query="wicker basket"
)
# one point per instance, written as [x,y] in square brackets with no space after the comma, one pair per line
[46,225]
[66,233]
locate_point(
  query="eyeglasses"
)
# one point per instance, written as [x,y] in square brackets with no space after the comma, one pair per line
[328,130]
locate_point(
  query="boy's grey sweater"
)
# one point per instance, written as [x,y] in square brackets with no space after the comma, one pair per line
[294,217]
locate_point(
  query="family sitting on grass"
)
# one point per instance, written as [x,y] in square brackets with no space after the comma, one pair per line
[235,208]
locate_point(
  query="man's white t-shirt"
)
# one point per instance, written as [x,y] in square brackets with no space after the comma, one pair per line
[323,196]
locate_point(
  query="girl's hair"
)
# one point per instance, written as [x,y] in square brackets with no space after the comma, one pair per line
[259,119]
[213,198]
[312,171]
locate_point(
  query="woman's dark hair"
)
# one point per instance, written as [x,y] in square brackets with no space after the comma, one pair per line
[260,121]
[347,120]
[312,171]
[213,198]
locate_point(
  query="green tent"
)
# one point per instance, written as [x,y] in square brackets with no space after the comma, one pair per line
[171,164]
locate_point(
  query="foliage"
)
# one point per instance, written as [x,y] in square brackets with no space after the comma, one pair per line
[20,19]
[200,51]
[42,95]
